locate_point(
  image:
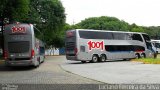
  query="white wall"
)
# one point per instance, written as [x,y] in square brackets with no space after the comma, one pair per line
[52,51]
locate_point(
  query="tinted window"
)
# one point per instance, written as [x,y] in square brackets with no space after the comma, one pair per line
[128,36]
[70,34]
[118,48]
[149,45]
[157,45]
[137,37]
[146,37]
[123,48]
[18,47]
[42,50]
[120,36]
[95,35]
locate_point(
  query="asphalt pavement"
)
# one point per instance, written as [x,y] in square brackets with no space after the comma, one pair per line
[116,72]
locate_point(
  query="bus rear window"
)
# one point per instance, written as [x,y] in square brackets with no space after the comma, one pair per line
[70,34]
[18,47]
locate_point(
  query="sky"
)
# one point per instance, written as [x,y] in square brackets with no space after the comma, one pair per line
[140,12]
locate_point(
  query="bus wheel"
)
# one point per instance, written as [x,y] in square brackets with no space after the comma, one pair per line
[102,58]
[143,55]
[94,58]
[137,56]
[128,59]
[155,55]
[83,61]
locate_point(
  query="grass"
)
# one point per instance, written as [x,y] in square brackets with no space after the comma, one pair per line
[148,60]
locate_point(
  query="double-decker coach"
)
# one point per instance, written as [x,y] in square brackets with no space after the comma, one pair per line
[99,45]
[21,47]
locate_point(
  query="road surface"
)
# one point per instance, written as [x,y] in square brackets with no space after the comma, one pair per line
[48,72]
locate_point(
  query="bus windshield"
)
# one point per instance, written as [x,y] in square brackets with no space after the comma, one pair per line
[146,37]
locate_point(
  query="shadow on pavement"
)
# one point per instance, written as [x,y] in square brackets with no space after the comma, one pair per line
[97,62]
[19,68]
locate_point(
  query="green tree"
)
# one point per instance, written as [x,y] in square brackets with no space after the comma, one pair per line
[153,31]
[14,10]
[49,17]
[137,29]
[105,23]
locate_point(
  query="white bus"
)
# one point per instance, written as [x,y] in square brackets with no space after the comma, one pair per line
[21,47]
[156,43]
[99,45]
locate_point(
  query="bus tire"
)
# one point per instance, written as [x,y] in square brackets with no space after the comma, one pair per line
[143,55]
[102,58]
[83,61]
[94,58]
[137,56]
[128,59]
[155,55]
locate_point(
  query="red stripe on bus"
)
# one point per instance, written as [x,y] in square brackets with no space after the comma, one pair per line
[140,51]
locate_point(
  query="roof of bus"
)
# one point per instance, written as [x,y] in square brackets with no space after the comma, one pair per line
[9,27]
[108,31]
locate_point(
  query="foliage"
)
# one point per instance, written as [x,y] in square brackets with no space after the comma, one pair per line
[114,24]
[14,10]
[153,31]
[105,23]
[137,29]
[47,15]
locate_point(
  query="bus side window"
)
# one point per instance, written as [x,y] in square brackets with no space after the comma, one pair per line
[82,48]
[128,36]
[42,50]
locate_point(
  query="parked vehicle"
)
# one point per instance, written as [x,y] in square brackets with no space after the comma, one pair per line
[21,47]
[99,45]
[156,43]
